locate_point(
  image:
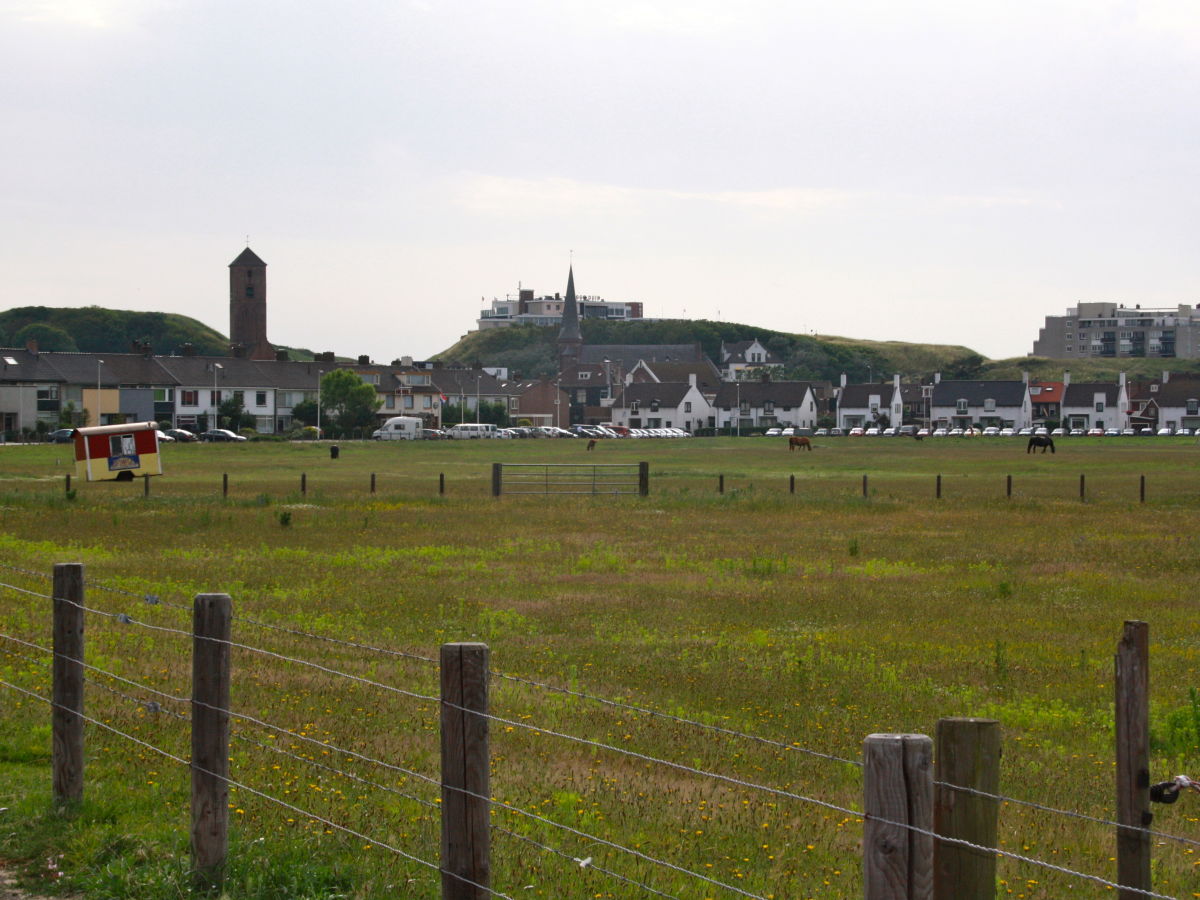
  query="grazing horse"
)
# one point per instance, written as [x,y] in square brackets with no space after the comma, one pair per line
[1040,440]
[801,442]
[592,444]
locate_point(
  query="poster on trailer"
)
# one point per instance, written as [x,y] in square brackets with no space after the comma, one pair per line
[117,452]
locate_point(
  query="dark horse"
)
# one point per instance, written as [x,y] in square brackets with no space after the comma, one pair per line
[802,442]
[1040,440]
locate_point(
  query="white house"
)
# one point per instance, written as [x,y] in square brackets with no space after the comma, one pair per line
[743,405]
[667,404]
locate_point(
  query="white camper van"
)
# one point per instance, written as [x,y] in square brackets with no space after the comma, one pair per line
[400,428]
[471,430]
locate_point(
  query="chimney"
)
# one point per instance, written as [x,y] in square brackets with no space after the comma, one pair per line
[188,349]
[31,346]
[1025,377]
[237,351]
[406,362]
[1066,379]
[692,379]
[843,379]
[896,381]
[364,360]
[937,377]
[1166,374]
[281,355]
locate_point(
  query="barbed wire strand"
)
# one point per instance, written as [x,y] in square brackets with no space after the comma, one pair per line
[262,795]
[673,718]
[385,651]
[800,797]
[581,863]
[126,619]
[1064,812]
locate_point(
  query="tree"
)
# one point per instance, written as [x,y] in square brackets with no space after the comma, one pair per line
[48,337]
[305,412]
[350,402]
[233,414]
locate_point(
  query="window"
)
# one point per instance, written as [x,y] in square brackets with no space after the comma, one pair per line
[408,401]
[389,401]
[216,398]
[426,402]
[989,405]
[584,376]
[164,395]
[239,397]
[768,406]
[1193,407]
[249,292]
[653,406]
[687,406]
[1099,406]
[961,407]
[260,398]
[414,379]
[189,398]
[633,407]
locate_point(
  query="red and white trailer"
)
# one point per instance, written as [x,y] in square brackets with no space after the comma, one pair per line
[117,452]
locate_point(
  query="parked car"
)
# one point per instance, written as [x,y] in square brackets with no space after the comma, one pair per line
[1164,432]
[821,432]
[991,431]
[1095,432]
[433,434]
[1112,432]
[1059,432]
[163,437]
[857,432]
[1077,432]
[836,432]
[1146,431]
[872,432]
[922,432]
[61,436]
[216,435]
[940,432]
[890,432]
[1007,432]
[181,435]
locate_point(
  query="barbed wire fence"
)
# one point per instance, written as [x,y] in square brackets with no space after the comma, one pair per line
[463,805]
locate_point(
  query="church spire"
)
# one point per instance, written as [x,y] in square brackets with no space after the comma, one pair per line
[570,338]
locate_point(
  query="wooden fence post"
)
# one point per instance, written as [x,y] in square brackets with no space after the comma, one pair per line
[68,487]
[898,787]
[441,483]
[643,479]
[1009,488]
[1132,666]
[1142,490]
[145,485]
[66,752]
[225,484]
[791,484]
[1082,488]
[304,484]
[372,482]
[864,485]
[939,487]
[497,478]
[211,615]
[720,484]
[968,756]
[466,821]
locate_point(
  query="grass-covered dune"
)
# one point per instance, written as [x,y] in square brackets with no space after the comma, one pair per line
[804,620]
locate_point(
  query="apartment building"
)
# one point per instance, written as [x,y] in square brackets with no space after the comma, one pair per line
[1114,330]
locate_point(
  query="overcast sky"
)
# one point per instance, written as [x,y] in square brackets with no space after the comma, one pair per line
[946,172]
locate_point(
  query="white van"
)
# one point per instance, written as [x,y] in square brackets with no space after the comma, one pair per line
[400,428]
[469,430]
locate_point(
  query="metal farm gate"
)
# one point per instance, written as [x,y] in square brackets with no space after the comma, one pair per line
[559,478]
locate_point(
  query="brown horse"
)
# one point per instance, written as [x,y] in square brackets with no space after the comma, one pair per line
[592,444]
[802,442]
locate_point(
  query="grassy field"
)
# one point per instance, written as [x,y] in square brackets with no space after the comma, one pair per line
[808,619]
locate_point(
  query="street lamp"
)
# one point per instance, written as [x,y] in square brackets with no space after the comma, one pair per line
[739,408]
[320,372]
[99,363]
[478,378]
[557,402]
[215,421]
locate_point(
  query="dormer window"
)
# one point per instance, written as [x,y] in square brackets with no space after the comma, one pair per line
[1193,407]
[635,406]
[989,405]
[653,406]
[962,407]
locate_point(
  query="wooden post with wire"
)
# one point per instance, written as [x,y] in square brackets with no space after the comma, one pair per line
[66,751]
[1132,669]
[643,479]
[968,756]
[898,788]
[211,617]
[466,820]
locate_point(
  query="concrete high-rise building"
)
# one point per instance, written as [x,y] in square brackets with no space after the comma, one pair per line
[248,307]
[1115,330]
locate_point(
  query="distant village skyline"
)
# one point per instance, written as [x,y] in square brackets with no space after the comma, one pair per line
[934,173]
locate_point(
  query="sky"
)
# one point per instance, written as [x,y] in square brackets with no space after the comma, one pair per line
[933,171]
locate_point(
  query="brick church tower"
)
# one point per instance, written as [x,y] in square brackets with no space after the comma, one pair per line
[248,307]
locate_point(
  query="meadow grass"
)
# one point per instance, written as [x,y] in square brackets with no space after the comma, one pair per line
[810,619]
